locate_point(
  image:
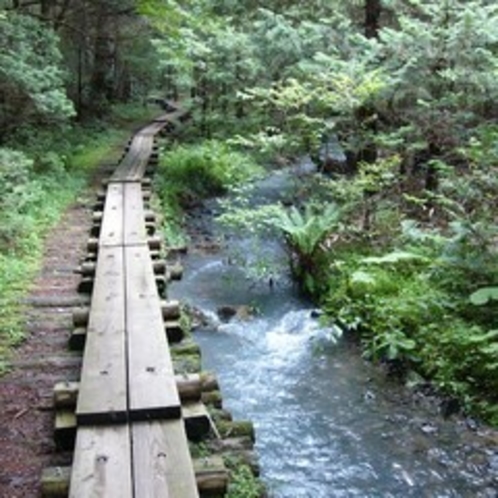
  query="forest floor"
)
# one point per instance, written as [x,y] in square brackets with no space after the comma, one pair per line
[43,359]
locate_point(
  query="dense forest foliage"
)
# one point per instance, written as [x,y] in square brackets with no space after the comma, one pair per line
[394,100]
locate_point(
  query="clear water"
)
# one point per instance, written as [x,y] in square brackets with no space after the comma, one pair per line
[328,424]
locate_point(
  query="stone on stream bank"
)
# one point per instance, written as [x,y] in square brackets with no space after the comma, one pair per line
[240,312]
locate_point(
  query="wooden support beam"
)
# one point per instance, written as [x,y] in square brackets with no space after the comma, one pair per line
[149,216]
[155,243]
[170,309]
[211,477]
[174,331]
[86,285]
[77,339]
[80,317]
[65,429]
[197,420]
[170,312]
[195,417]
[191,387]
[66,394]
[87,268]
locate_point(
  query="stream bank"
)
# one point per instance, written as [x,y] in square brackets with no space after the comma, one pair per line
[328,423]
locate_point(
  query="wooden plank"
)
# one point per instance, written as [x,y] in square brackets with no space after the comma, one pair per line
[152,387]
[102,463]
[134,215]
[162,465]
[147,140]
[127,163]
[132,167]
[111,233]
[103,387]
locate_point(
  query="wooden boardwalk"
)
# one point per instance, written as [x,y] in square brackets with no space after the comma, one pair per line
[130,439]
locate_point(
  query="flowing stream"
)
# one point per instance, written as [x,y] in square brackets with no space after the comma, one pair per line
[328,424]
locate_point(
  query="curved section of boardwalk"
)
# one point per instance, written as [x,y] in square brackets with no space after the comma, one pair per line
[131,439]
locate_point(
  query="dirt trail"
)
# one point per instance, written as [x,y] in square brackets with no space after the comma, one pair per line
[26,414]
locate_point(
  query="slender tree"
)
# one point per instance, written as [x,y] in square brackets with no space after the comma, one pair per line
[373,10]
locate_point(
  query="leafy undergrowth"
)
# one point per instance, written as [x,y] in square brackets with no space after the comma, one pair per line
[422,325]
[243,484]
[190,173]
[29,207]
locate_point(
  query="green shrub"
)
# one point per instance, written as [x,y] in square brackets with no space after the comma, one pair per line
[387,299]
[409,309]
[190,173]
[205,169]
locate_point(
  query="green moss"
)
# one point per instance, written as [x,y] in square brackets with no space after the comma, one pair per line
[243,483]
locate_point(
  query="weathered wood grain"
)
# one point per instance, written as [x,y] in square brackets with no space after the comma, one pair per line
[134,216]
[133,165]
[102,463]
[111,232]
[190,388]
[211,476]
[152,386]
[103,387]
[162,465]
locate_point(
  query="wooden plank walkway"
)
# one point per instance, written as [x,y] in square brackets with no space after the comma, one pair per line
[130,440]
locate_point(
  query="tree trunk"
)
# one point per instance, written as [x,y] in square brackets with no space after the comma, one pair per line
[431,173]
[373,10]
[101,84]
[366,114]
[45,8]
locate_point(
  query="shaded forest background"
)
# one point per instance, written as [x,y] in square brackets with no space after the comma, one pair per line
[395,101]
